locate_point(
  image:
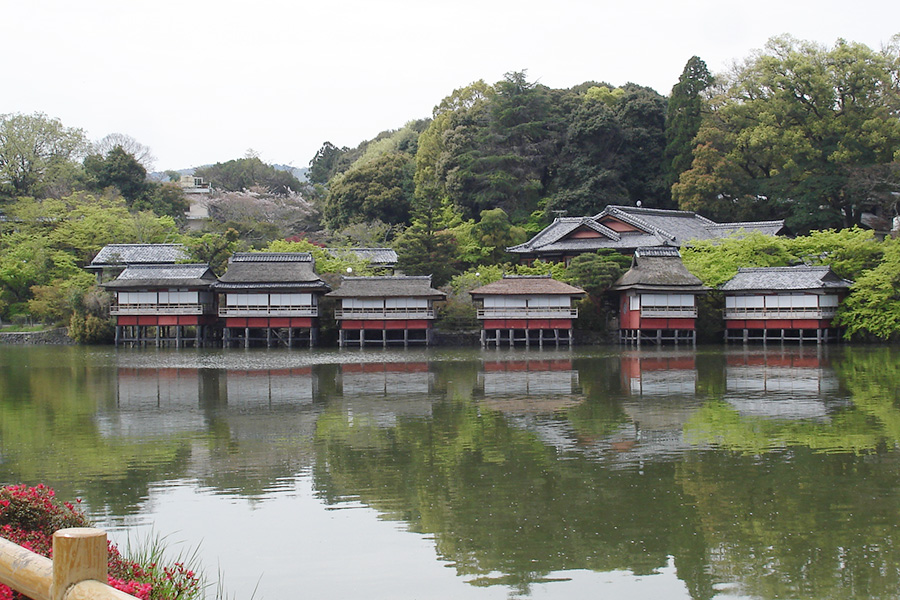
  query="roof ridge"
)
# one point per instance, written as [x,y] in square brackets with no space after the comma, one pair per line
[638,222]
[733,223]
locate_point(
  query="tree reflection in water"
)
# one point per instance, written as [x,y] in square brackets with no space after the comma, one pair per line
[770,472]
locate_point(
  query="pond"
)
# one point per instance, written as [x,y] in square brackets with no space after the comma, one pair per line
[741,472]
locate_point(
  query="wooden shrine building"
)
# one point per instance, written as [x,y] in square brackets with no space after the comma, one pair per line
[627,228]
[385,310]
[164,305]
[658,298]
[531,309]
[783,304]
[270,298]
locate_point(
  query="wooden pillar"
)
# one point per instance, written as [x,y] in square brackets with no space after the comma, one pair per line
[79,554]
[406,338]
[268,337]
[118,334]
[246,337]
[483,337]
[384,338]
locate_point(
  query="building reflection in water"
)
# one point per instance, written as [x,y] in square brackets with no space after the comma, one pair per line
[528,386]
[797,384]
[384,392]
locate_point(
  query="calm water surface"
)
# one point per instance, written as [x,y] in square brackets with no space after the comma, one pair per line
[660,474]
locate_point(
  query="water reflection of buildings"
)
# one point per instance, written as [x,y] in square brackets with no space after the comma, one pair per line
[529,386]
[241,428]
[782,385]
[384,392]
[664,392]
[655,375]
[661,395]
[531,394]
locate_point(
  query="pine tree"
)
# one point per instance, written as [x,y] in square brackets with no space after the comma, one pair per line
[683,117]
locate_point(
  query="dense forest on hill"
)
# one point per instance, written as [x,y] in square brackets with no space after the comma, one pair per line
[796,131]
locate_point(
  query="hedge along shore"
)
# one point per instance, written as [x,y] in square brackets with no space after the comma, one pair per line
[55,337]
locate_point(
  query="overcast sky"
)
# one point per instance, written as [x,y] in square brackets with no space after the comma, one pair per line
[203,81]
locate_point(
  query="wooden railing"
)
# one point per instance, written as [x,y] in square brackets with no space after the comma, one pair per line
[383,313]
[269,311]
[78,570]
[549,312]
[160,309]
[825,312]
[671,312]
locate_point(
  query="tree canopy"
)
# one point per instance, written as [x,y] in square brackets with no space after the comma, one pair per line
[793,129]
[33,149]
[249,172]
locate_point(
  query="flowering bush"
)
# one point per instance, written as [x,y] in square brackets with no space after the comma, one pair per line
[30,515]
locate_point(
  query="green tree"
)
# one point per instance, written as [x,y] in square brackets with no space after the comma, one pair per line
[118,169]
[873,307]
[498,153]
[381,189]
[612,152]
[717,261]
[495,233]
[246,173]
[325,163]
[33,146]
[684,116]
[794,125]
[213,249]
[595,273]
[424,250]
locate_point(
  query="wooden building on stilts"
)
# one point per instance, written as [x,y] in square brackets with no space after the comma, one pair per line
[164,305]
[658,299]
[532,310]
[783,304]
[270,299]
[387,310]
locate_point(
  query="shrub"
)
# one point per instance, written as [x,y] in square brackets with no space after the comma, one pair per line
[30,515]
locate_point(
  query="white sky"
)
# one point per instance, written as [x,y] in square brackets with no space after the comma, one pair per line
[202,81]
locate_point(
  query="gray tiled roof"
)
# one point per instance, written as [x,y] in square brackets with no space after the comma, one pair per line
[659,269]
[145,276]
[387,287]
[800,277]
[376,256]
[531,285]
[271,270]
[656,227]
[135,254]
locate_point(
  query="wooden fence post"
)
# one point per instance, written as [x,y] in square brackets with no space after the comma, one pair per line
[79,553]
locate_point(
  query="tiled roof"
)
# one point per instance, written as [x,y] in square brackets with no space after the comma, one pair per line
[656,227]
[531,285]
[270,270]
[135,254]
[376,256]
[800,277]
[659,269]
[187,275]
[271,257]
[384,287]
